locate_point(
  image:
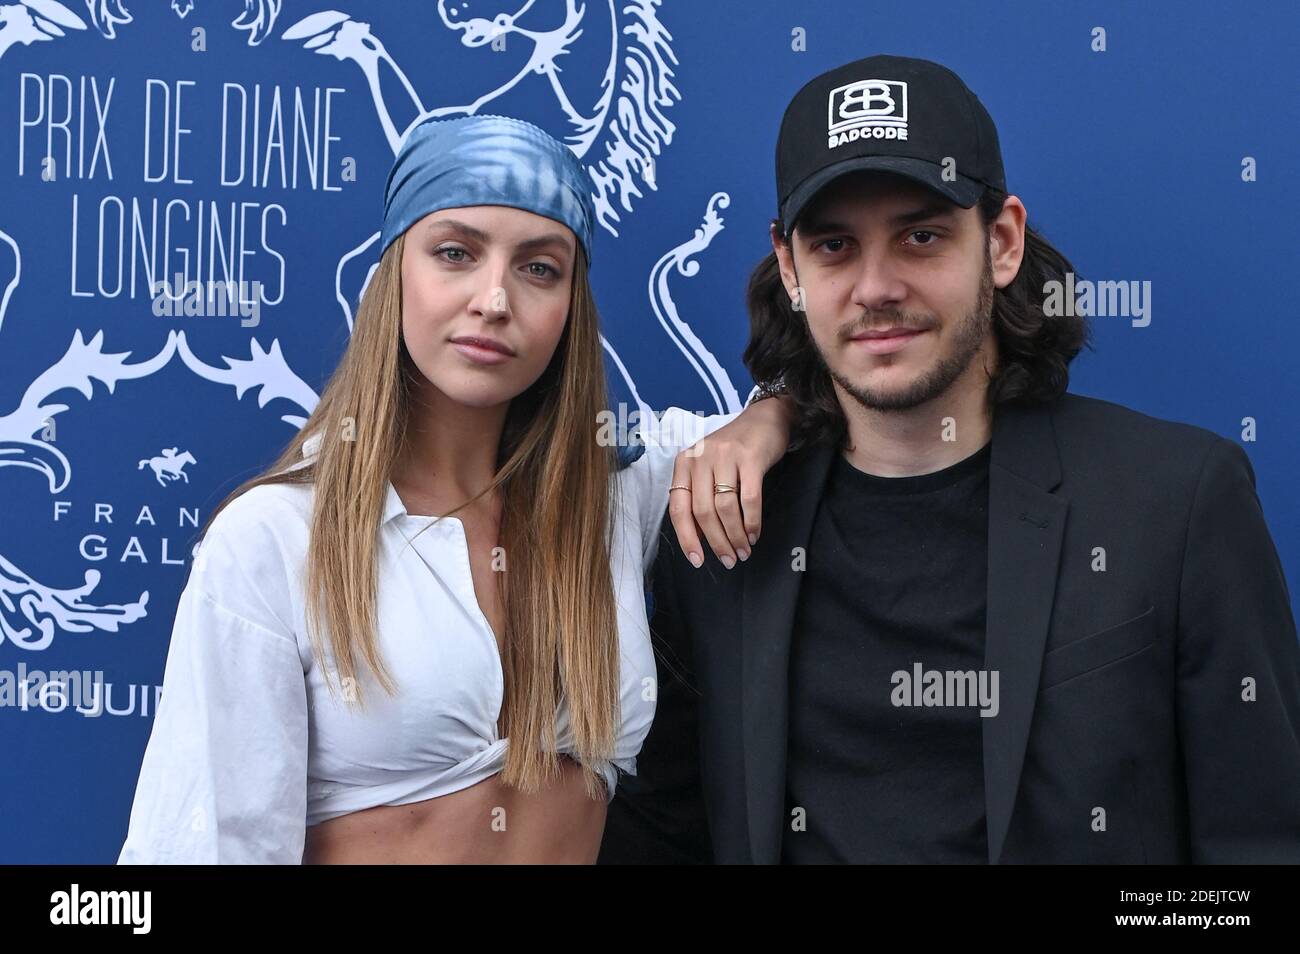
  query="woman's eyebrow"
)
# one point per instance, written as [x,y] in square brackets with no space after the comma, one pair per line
[544,241]
[468,231]
[478,235]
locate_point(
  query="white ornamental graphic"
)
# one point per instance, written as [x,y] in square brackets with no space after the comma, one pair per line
[617,135]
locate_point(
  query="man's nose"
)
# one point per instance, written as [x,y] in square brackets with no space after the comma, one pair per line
[878,283]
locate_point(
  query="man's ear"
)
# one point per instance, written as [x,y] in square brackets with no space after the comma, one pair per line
[784,260]
[1007,241]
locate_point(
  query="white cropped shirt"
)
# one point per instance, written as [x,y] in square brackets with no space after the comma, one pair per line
[248,748]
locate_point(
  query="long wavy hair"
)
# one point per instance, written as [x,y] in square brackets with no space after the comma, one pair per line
[1034,349]
[561,628]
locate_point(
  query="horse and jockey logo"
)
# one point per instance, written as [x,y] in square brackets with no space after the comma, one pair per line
[168,465]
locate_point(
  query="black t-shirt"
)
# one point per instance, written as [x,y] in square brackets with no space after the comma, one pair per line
[896,575]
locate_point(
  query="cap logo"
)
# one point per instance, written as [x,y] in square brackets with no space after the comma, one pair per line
[866,109]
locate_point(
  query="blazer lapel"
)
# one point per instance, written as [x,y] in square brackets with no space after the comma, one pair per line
[770,594]
[1026,527]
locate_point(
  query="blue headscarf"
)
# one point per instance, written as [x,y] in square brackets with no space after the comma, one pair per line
[490,160]
[486,160]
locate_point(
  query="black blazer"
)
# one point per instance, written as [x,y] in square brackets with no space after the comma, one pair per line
[1121,688]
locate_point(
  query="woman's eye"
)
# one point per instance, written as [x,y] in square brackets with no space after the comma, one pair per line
[450,251]
[546,270]
[839,243]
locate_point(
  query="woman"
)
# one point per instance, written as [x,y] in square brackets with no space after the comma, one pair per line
[351,679]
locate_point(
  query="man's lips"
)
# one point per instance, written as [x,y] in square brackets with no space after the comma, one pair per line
[886,340]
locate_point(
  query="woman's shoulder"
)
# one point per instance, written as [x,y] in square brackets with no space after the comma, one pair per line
[279,508]
[260,533]
[255,548]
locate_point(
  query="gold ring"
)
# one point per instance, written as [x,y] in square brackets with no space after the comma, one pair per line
[723,489]
[678,487]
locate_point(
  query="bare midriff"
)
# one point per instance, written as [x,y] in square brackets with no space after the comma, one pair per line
[487,823]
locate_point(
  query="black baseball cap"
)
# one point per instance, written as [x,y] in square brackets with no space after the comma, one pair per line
[889,114]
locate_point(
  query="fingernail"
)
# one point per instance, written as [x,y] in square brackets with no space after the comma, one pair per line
[743,554]
[753,538]
[695,558]
[728,562]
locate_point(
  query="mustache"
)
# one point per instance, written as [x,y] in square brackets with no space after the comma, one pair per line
[880,320]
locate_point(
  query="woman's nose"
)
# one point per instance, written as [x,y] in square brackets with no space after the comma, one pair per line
[492,300]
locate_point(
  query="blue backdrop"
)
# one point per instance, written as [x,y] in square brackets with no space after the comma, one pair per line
[250,140]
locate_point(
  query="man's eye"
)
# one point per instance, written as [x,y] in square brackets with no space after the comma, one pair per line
[932,235]
[838,243]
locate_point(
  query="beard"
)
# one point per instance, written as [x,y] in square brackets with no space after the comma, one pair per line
[937,379]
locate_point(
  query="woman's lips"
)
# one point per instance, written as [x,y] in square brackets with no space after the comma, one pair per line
[889,343]
[478,354]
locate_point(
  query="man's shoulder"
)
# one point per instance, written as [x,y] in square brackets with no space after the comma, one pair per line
[1115,455]
[1116,433]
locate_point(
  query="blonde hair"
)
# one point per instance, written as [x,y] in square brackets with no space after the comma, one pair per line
[561,624]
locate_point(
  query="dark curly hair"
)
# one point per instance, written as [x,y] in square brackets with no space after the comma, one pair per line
[1035,350]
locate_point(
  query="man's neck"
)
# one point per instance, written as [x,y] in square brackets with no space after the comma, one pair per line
[922,439]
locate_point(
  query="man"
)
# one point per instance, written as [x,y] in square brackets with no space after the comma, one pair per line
[987,620]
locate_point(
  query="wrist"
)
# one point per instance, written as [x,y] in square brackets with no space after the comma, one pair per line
[766,389]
